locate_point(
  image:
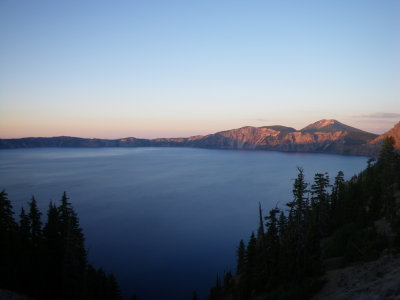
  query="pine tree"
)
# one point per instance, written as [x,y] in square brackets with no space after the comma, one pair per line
[35,221]
[218,285]
[282,224]
[241,260]
[251,262]
[74,253]
[318,223]
[24,228]
[337,191]
[8,243]
[387,155]
[26,256]
[7,222]
[272,225]
[299,205]
[251,251]
[260,233]
[53,250]
[389,167]
[227,280]
[194,296]
[297,227]
[271,252]
[113,292]
[285,257]
[320,204]
[51,231]
[372,186]
[215,291]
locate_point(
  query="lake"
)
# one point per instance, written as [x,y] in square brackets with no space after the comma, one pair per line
[165,221]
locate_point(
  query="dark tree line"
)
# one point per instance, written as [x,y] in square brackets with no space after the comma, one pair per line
[323,222]
[48,260]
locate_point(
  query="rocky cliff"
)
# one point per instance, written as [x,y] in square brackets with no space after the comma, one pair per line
[326,136]
[378,279]
[329,136]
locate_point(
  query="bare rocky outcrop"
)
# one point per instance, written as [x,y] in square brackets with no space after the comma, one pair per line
[8,295]
[394,132]
[375,280]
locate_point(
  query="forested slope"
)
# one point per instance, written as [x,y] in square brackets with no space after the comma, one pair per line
[325,226]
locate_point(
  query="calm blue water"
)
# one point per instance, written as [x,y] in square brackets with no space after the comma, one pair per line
[164,220]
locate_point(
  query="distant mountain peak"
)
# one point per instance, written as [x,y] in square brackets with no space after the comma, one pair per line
[325,122]
[322,124]
[329,125]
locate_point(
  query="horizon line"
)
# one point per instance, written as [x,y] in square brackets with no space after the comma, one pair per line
[182,137]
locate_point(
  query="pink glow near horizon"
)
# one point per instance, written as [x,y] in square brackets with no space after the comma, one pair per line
[21,130]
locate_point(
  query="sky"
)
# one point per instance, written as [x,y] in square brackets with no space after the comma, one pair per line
[155,68]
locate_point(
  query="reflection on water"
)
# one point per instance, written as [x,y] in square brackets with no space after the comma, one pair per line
[164,220]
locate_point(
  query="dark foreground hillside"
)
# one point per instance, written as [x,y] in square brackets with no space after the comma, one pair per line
[378,279]
[326,226]
[8,295]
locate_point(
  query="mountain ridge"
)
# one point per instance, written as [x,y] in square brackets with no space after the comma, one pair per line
[394,132]
[323,136]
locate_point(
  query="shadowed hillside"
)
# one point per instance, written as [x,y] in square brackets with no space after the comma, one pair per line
[326,226]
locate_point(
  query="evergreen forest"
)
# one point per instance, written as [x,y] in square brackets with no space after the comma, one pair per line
[326,225]
[49,261]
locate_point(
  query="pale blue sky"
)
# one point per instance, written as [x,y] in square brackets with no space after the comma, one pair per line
[178,68]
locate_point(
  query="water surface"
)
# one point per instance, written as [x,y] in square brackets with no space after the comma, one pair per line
[164,220]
